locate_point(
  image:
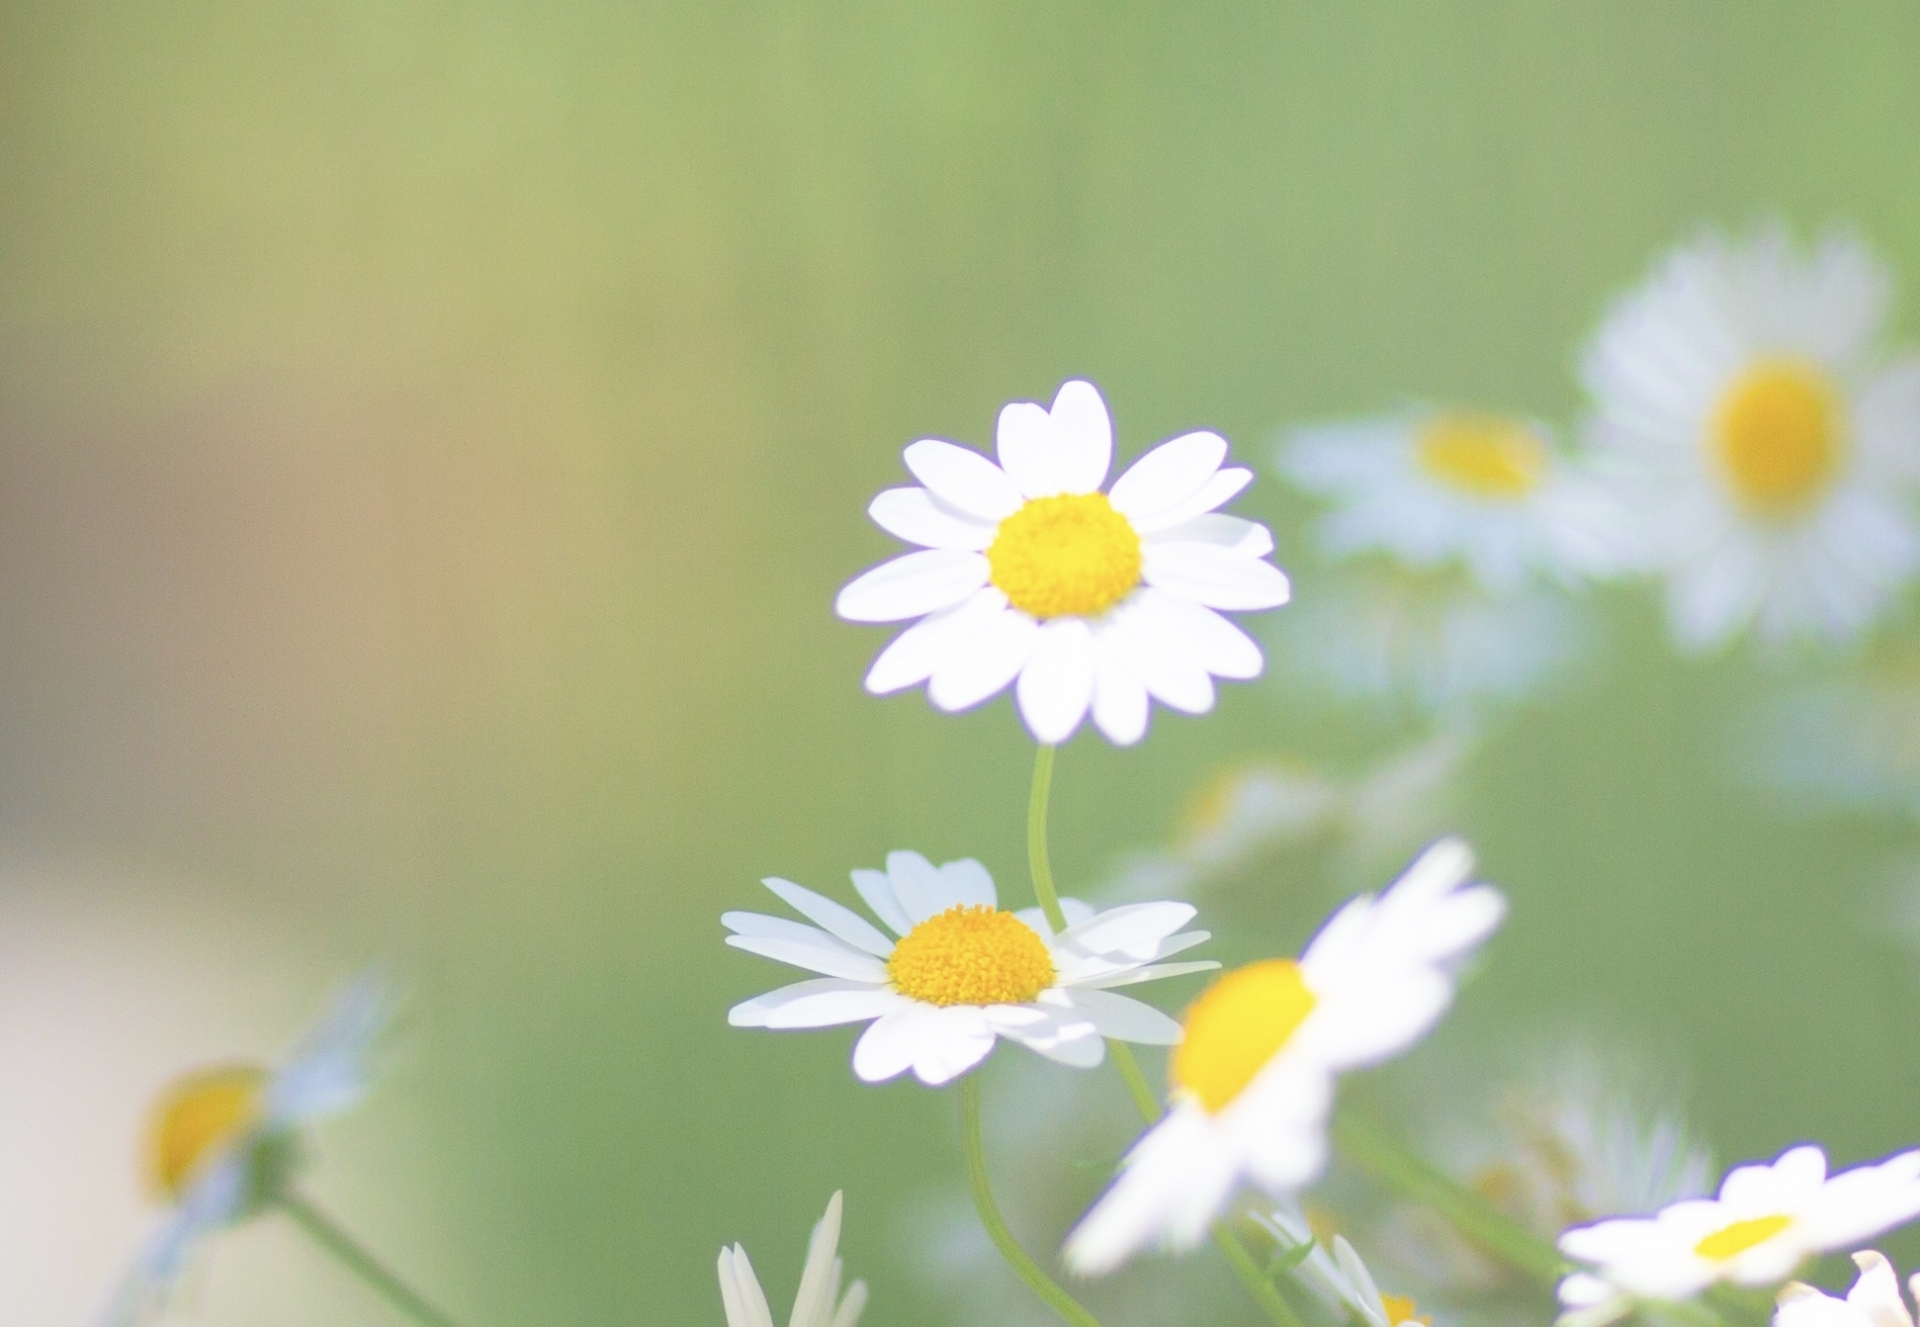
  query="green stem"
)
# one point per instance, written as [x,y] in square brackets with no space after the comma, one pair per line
[1264,1292]
[1378,1152]
[1037,860]
[1138,1088]
[1029,1271]
[358,1261]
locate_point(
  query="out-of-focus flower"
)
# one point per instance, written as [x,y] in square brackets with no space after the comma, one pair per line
[1341,1280]
[225,1141]
[1085,601]
[1874,1300]
[1434,640]
[1436,487]
[1743,397]
[962,972]
[1849,738]
[1253,1077]
[818,1302]
[1766,1221]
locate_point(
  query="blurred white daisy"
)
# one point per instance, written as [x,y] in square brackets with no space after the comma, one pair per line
[1874,1301]
[1766,1221]
[1772,447]
[817,1303]
[962,972]
[1437,487]
[1253,1076]
[1085,601]
[225,1142]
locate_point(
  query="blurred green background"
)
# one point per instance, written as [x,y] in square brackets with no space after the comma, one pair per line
[431,436]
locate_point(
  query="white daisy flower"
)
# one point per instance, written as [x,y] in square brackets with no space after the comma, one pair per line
[225,1141]
[1433,487]
[1341,1279]
[818,1302]
[962,972]
[1253,1076]
[1029,575]
[1767,1220]
[1874,1301]
[1776,449]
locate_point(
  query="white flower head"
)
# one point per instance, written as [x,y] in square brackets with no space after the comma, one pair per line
[1874,1300]
[1773,449]
[1490,493]
[1030,575]
[1766,1221]
[224,1141]
[962,973]
[1253,1076]
[818,1302]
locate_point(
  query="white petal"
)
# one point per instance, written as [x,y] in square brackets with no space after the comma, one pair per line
[964,479]
[1168,475]
[839,921]
[740,1294]
[918,886]
[1056,686]
[1133,929]
[886,1049]
[912,514]
[821,953]
[1083,434]
[1126,1019]
[917,653]
[952,1042]
[1069,1038]
[1153,972]
[912,585]
[876,891]
[999,651]
[1213,642]
[1119,698]
[966,881]
[1214,576]
[1216,492]
[1134,634]
[1247,538]
[1024,442]
[821,1002]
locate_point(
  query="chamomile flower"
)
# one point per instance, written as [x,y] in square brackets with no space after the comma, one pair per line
[962,973]
[1340,1279]
[1874,1301]
[818,1302]
[1253,1076]
[1766,1221]
[225,1141]
[1029,575]
[1776,447]
[1436,487]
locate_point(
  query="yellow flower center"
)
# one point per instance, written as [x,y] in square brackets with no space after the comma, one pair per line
[1236,1026]
[1736,1239]
[1484,455]
[1401,1309]
[1070,556]
[1778,434]
[196,1119]
[971,954]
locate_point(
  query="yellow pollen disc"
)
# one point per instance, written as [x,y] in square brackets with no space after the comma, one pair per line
[1236,1026]
[1401,1309]
[1070,556]
[1484,455]
[1778,434]
[198,1117]
[971,954]
[1737,1238]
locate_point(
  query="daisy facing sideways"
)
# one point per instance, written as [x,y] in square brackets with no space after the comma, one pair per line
[1874,1300]
[1772,446]
[226,1142]
[962,972]
[1253,1077]
[1029,575]
[1766,1221]
[817,1303]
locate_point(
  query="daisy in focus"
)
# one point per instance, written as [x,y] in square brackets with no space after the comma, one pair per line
[1253,1077]
[1874,1301]
[817,1303]
[226,1142]
[1489,493]
[1084,601]
[1773,445]
[1766,1221]
[962,973]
